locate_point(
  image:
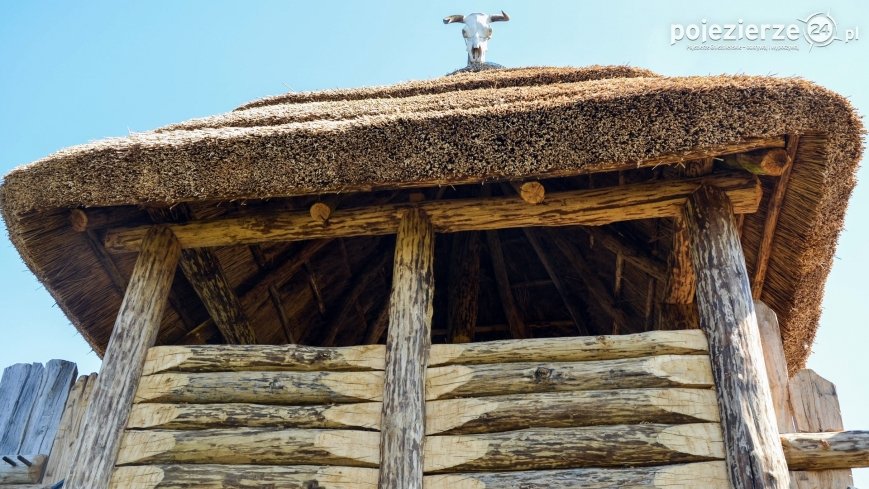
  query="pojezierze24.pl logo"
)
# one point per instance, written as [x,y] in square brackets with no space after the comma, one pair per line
[818,30]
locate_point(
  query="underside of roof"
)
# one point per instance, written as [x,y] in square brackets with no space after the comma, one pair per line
[571,128]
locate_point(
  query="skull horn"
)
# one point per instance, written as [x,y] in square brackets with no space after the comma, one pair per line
[454,18]
[499,18]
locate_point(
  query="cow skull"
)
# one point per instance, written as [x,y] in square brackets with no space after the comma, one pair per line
[477,32]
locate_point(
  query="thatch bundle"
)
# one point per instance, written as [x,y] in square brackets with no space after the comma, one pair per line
[445,137]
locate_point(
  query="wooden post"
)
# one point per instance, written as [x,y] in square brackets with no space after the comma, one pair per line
[135,331]
[464,287]
[407,349]
[753,449]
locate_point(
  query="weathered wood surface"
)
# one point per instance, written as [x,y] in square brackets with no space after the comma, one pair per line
[531,192]
[135,331]
[816,409]
[526,377]
[727,315]
[598,206]
[211,476]
[364,415]
[464,287]
[252,446]
[23,383]
[776,365]
[321,211]
[67,432]
[262,387]
[21,472]
[57,379]
[570,409]
[678,310]
[572,349]
[763,162]
[712,475]
[221,358]
[597,446]
[824,451]
[408,342]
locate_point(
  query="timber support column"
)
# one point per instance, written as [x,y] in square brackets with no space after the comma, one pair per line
[753,450]
[408,343]
[135,331]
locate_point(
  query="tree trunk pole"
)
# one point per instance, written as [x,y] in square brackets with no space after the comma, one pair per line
[753,450]
[135,331]
[407,350]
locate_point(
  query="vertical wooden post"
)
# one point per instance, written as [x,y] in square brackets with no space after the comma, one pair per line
[407,349]
[753,450]
[135,331]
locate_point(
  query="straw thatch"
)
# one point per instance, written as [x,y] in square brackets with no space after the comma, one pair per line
[466,128]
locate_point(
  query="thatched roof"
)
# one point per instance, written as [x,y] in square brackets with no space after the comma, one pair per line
[463,129]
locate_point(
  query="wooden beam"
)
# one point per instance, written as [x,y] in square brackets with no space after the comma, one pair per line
[676,476]
[464,287]
[632,253]
[320,212]
[557,448]
[21,469]
[572,349]
[727,315]
[773,210]
[515,323]
[598,206]
[407,349]
[531,192]
[826,451]
[135,331]
[776,366]
[762,162]
[552,270]
[215,476]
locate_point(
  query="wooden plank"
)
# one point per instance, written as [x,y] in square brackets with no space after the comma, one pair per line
[727,316]
[407,349]
[515,323]
[570,409]
[773,210]
[572,349]
[364,415]
[212,476]
[237,358]
[776,366]
[598,206]
[517,378]
[13,381]
[67,431]
[464,287]
[816,409]
[260,446]
[21,469]
[824,451]
[678,476]
[261,387]
[26,383]
[560,448]
[135,331]
[51,397]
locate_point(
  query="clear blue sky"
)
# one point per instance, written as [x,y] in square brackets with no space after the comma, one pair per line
[72,72]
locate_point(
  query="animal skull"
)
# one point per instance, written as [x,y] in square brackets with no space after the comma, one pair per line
[477,32]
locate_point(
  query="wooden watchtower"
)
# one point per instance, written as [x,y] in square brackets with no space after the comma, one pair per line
[536,278]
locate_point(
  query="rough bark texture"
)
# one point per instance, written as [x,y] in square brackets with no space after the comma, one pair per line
[727,315]
[824,451]
[407,348]
[134,332]
[210,476]
[593,207]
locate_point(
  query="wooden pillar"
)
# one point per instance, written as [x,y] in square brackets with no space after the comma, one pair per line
[753,450]
[135,331]
[407,349]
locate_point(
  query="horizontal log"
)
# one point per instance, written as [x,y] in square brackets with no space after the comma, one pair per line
[680,476]
[516,378]
[570,409]
[251,446]
[597,206]
[262,387]
[365,415]
[21,469]
[824,451]
[220,358]
[572,349]
[763,162]
[597,446]
[211,476]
